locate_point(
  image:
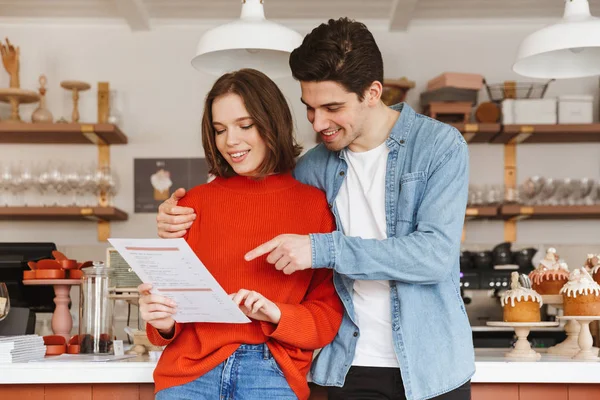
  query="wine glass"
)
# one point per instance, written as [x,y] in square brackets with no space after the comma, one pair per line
[6,176]
[563,190]
[4,301]
[530,190]
[547,192]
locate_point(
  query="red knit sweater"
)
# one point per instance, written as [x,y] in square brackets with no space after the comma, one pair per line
[234,216]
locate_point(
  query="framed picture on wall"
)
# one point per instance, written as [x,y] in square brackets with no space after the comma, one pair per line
[155,179]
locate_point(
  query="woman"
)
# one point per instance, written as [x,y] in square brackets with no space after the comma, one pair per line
[248,139]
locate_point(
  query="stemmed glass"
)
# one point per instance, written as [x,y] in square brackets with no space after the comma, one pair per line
[547,192]
[43,183]
[88,186]
[6,176]
[73,184]
[27,182]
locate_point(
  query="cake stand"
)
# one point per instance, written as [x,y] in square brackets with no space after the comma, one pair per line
[16,96]
[75,87]
[570,346]
[62,322]
[585,340]
[522,349]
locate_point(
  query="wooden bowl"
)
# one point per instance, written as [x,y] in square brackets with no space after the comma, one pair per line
[49,274]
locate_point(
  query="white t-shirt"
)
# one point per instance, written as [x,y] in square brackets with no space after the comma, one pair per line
[361,207]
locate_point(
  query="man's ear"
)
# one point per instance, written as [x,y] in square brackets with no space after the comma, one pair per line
[373,93]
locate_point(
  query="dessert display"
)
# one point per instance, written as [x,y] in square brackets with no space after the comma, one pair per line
[521,303]
[581,294]
[550,275]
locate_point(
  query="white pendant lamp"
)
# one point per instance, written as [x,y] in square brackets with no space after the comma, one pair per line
[567,49]
[249,42]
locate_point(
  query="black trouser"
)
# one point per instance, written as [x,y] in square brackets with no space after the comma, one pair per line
[377,383]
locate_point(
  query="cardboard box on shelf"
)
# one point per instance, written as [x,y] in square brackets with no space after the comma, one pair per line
[456,80]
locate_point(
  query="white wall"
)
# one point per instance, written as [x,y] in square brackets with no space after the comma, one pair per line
[160,96]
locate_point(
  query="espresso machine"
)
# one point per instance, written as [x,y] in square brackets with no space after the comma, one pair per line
[484,275]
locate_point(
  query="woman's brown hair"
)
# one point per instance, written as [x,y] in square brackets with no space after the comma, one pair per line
[267,106]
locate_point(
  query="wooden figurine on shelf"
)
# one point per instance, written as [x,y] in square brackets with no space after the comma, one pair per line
[14,94]
[10,59]
[42,114]
[75,87]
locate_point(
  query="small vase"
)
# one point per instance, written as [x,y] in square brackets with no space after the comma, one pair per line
[42,114]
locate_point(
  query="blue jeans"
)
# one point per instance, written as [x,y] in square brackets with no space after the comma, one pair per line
[251,373]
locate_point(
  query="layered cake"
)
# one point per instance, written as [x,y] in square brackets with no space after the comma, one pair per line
[520,303]
[581,295]
[550,275]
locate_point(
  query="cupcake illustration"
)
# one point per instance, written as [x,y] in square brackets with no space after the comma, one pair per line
[161,182]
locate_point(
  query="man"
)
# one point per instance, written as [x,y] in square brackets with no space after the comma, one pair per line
[397,184]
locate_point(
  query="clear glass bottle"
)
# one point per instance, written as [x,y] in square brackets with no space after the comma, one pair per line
[96,311]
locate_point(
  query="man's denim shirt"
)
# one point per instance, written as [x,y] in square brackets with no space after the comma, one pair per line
[425,199]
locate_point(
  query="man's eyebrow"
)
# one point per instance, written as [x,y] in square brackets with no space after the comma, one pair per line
[332,104]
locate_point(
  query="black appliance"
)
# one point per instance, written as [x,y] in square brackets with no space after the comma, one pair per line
[13,261]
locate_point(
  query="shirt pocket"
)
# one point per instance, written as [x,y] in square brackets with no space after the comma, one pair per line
[412,186]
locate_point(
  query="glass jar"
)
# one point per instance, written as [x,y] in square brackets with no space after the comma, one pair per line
[96,311]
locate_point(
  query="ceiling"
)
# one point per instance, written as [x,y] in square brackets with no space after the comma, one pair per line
[397,13]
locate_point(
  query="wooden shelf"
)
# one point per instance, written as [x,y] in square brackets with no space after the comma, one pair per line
[561,133]
[550,212]
[60,133]
[62,213]
[478,133]
[481,212]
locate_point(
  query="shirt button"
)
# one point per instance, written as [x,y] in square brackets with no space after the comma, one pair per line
[342,173]
[355,334]
[402,142]
[330,205]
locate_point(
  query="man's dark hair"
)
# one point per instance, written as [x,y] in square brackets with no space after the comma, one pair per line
[343,51]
